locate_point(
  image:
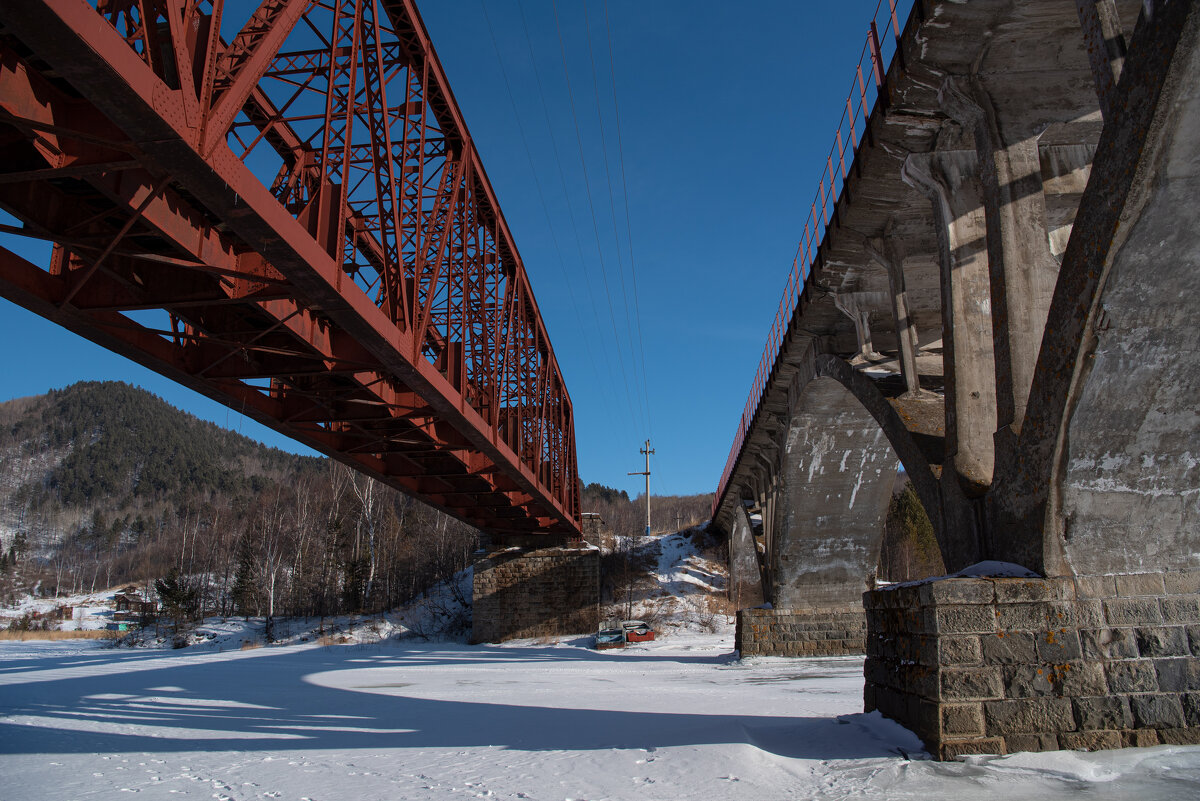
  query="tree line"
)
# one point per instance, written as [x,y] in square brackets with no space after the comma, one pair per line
[626,516]
[103,484]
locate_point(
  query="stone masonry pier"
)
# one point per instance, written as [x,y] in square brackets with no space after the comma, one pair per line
[997,665]
[799,632]
[546,592]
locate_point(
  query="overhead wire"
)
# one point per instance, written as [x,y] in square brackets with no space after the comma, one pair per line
[612,206]
[592,207]
[628,223]
[542,196]
[563,181]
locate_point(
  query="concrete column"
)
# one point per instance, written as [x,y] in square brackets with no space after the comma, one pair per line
[1106,48]
[948,179]
[835,487]
[768,523]
[1107,481]
[1129,475]
[1023,271]
[745,571]
[887,252]
[847,303]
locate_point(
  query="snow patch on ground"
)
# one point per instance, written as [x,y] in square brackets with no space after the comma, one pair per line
[90,611]
[367,708]
[986,569]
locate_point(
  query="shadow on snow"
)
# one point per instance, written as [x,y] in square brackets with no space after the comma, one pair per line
[223,705]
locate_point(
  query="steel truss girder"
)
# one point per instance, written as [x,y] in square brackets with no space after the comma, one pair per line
[398,334]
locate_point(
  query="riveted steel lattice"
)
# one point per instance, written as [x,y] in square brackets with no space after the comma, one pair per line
[292,220]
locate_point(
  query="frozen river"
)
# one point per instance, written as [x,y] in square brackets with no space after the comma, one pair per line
[677,719]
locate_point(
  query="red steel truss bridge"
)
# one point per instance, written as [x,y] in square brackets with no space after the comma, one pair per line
[292,220]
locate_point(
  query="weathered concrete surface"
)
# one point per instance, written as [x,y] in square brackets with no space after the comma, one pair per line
[1071,446]
[1001,665]
[948,179]
[1105,478]
[952,225]
[836,481]
[1131,489]
[548,592]
[745,565]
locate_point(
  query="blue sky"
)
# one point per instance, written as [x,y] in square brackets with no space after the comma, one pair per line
[727,112]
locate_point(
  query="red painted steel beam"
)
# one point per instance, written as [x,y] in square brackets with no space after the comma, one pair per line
[412,301]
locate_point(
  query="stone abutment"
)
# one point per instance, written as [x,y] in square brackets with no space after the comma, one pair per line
[524,593]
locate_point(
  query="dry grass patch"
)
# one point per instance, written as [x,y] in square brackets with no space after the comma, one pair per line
[89,634]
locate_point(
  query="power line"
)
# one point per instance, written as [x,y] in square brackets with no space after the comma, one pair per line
[592,208]
[541,194]
[628,224]
[563,182]
[612,205]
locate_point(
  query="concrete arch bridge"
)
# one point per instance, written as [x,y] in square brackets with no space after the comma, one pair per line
[996,290]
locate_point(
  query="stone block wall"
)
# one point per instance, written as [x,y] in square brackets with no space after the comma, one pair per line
[799,632]
[520,593]
[997,665]
[597,532]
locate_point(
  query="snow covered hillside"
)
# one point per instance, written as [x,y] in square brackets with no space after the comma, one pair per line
[677,586]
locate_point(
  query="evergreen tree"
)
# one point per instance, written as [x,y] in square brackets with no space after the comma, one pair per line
[20,544]
[178,603]
[245,589]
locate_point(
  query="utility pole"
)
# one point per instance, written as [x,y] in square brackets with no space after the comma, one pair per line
[647,451]
[678,522]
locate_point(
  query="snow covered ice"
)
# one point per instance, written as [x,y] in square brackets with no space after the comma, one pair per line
[675,719]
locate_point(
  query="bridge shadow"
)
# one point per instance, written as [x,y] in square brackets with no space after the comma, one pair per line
[282,699]
[407,651]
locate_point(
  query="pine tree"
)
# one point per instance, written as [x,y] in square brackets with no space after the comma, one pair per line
[245,591]
[178,603]
[20,544]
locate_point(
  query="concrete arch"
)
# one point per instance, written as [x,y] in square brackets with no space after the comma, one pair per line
[915,464]
[1106,477]
[953,515]
[833,487]
[745,565]
[823,487]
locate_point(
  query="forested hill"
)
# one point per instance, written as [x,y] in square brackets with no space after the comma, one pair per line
[102,483]
[116,447]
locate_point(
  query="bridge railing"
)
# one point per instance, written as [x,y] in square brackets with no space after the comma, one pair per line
[875,58]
